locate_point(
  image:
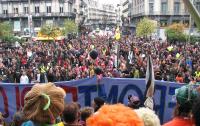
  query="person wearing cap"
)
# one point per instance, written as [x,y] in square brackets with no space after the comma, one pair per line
[185,97]
[97,103]
[24,78]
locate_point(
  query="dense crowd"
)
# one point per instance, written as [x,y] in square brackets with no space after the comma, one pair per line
[44,105]
[72,60]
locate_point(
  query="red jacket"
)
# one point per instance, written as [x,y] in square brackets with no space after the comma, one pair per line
[180,121]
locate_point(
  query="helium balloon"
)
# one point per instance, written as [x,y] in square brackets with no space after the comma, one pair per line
[93,54]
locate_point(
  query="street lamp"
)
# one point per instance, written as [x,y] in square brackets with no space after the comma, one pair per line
[30,20]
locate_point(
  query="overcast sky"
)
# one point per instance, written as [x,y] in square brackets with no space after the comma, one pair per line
[115,2]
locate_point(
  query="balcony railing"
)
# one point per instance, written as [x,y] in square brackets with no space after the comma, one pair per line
[65,14]
[167,13]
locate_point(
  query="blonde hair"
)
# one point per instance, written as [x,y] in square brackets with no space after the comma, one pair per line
[148,116]
[35,102]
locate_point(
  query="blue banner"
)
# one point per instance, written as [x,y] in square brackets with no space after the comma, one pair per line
[113,90]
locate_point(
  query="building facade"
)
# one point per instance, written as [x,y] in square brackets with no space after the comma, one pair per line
[100,15]
[125,7]
[164,11]
[119,14]
[41,12]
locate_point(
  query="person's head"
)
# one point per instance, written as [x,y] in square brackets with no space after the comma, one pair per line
[24,73]
[86,113]
[179,75]
[18,118]
[185,97]
[97,103]
[148,116]
[196,111]
[44,103]
[114,115]
[133,102]
[71,113]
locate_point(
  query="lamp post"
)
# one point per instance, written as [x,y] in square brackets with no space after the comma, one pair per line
[30,20]
[190,26]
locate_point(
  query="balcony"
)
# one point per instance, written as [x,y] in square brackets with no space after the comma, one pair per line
[126,2]
[21,15]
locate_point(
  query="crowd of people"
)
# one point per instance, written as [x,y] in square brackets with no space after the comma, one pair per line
[44,105]
[87,56]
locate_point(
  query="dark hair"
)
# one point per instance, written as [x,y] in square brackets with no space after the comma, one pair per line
[182,110]
[70,113]
[99,102]
[86,112]
[196,111]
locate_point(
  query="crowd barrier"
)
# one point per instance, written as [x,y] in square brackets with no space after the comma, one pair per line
[114,90]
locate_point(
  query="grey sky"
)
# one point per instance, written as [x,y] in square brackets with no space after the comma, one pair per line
[115,2]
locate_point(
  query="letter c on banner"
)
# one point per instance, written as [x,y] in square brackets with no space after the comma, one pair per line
[5,98]
[130,87]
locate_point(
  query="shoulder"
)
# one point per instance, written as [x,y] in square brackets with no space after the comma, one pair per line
[28,123]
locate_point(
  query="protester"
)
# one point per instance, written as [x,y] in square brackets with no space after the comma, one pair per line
[85,114]
[114,115]
[97,103]
[24,79]
[43,105]
[71,115]
[196,111]
[185,97]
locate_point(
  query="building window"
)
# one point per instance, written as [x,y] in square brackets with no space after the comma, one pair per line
[69,7]
[198,6]
[37,23]
[15,10]
[37,9]
[164,7]
[163,23]
[61,9]
[48,9]
[176,7]
[26,10]
[151,7]
[5,11]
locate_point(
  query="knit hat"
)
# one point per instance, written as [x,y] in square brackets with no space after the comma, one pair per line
[186,94]
[114,115]
[44,103]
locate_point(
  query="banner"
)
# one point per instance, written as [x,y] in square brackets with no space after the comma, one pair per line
[113,90]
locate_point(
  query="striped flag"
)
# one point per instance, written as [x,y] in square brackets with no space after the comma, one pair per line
[149,92]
